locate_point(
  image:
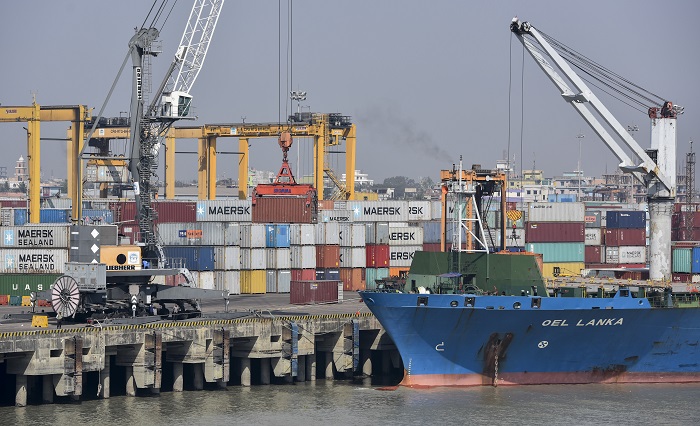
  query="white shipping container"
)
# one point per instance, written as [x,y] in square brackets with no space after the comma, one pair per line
[35,236]
[33,261]
[253,259]
[352,235]
[284,279]
[205,279]
[225,210]
[556,212]
[303,257]
[253,235]
[302,234]
[612,255]
[328,233]
[228,280]
[379,211]
[402,255]
[340,216]
[419,211]
[377,233]
[633,254]
[271,281]
[227,258]
[593,237]
[199,233]
[405,236]
[352,257]
[278,258]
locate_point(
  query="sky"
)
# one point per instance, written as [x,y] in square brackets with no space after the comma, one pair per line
[425,82]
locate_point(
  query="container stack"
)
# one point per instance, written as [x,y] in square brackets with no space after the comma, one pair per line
[404,241]
[625,239]
[557,231]
[353,258]
[279,258]
[302,237]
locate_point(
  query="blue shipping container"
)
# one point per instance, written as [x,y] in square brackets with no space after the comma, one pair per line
[45,216]
[695,266]
[277,236]
[616,219]
[196,258]
[97,217]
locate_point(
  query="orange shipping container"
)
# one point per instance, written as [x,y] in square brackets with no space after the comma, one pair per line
[352,279]
[327,256]
[398,272]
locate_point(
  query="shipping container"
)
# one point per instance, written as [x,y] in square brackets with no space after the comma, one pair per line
[174,211]
[277,235]
[327,256]
[284,277]
[328,233]
[695,267]
[21,216]
[558,252]
[278,258]
[431,232]
[204,279]
[25,284]
[419,211]
[555,232]
[352,279]
[562,269]
[32,261]
[253,282]
[227,258]
[401,272]
[626,255]
[303,274]
[284,210]
[432,247]
[252,259]
[625,237]
[35,236]
[402,255]
[303,257]
[340,216]
[377,255]
[301,234]
[96,217]
[377,233]
[373,274]
[228,281]
[379,211]
[625,219]
[195,258]
[326,204]
[312,292]
[594,237]
[271,281]
[593,218]
[199,233]
[681,278]
[351,235]
[352,257]
[408,236]
[556,212]
[594,254]
[682,260]
[687,219]
[253,235]
[225,210]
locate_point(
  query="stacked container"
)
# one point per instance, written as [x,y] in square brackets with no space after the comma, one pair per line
[352,260]
[279,263]
[625,239]
[557,231]
[253,258]
[302,238]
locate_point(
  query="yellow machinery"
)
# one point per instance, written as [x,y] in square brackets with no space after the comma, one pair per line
[33,115]
[326,129]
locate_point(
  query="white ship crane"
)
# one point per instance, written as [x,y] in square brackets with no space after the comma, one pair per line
[654,167]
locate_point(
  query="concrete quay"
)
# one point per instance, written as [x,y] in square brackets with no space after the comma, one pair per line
[273,343]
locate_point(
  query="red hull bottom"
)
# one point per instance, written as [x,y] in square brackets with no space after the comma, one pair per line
[514,379]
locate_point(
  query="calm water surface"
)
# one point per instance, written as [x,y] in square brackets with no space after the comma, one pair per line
[345,403]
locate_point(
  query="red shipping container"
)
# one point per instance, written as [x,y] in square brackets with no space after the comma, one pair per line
[352,279]
[377,255]
[683,219]
[625,237]
[313,291]
[681,278]
[283,210]
[175,211]
[555,232]
[432,247]
[326,204]
[681,207]
[594,254]
[303,274]
[327,256]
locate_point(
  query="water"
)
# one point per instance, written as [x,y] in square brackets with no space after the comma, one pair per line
[345,403]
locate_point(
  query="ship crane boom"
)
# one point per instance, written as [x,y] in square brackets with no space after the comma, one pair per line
[657,174]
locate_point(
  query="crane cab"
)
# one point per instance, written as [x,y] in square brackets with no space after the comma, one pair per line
[175,104]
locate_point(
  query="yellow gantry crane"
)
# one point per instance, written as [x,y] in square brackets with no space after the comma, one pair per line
[326,129]
[33,115]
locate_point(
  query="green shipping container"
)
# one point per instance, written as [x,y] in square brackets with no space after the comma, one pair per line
[24,284]
[558,252]
[682,260]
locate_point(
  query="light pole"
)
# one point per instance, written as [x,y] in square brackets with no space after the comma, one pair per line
[578,171]
[298,95]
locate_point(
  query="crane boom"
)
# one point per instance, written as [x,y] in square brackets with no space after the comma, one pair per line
[658,174]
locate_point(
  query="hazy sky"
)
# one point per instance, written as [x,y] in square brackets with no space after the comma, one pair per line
[425,82]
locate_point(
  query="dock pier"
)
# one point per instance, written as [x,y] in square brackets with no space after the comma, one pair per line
[87,362]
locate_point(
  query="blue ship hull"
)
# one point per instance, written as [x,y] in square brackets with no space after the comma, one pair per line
[473,340]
